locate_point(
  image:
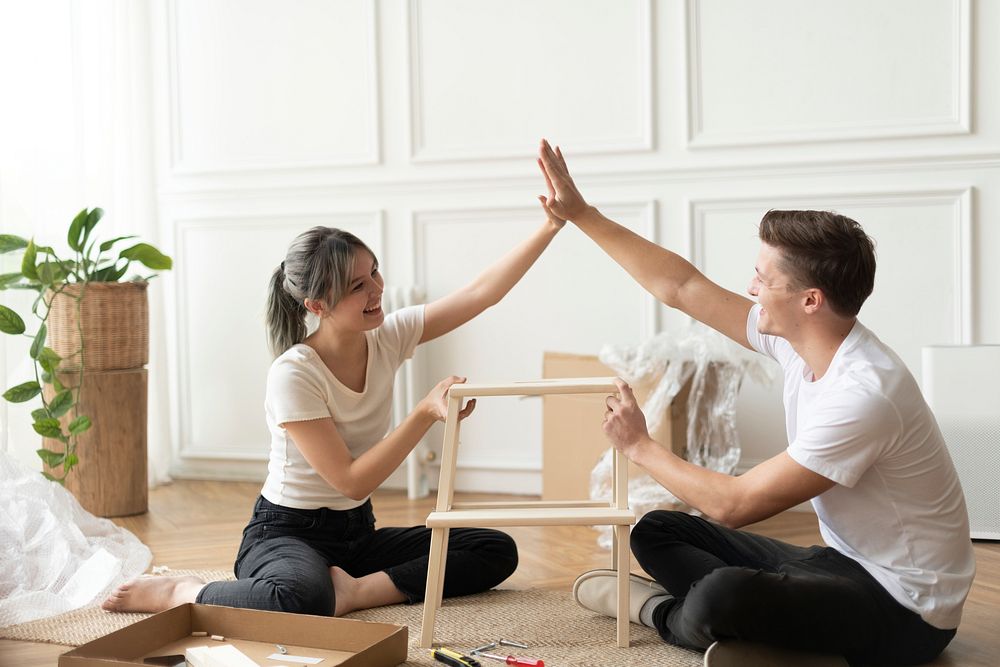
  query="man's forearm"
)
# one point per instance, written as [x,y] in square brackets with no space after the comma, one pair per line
[713,493]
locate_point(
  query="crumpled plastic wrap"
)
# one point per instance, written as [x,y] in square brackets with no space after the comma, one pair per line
[662,365]
[54,555]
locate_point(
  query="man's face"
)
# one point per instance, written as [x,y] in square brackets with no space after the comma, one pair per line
[779,312]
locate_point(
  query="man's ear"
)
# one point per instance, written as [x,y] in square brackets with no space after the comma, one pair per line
[813,300]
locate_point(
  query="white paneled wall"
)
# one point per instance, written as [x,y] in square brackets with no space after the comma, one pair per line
[414,124]
[827,71]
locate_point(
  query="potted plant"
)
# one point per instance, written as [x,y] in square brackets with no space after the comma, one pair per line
[90,317]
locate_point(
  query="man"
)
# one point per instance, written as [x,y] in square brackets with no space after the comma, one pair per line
[863,447]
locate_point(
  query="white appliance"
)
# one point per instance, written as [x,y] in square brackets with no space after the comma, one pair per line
[962,386]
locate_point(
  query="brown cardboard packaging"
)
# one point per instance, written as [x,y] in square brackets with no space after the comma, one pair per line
[572,440]
[339,641]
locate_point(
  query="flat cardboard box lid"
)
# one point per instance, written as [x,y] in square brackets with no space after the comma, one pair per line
[339,641]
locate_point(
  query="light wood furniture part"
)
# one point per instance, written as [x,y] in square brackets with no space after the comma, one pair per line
[449,514]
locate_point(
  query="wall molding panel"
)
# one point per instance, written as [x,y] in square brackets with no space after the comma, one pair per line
[644,211]
[180,164]
[422,149]
[521,458]
[960,199]
[957,122]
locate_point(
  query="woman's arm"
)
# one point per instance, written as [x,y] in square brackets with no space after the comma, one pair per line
[325,450]
[457,308]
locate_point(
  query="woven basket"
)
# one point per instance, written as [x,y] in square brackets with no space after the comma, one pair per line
[115,319]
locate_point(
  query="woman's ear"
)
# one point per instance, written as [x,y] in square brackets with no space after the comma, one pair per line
[315,307]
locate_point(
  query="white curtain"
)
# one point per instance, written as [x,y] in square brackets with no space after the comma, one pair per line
[78,132]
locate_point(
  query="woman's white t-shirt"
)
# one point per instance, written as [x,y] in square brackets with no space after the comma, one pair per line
[898,508]
[300,387]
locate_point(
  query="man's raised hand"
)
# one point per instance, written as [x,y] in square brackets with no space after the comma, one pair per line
[563,199]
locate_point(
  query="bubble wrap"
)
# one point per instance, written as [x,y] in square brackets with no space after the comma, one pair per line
[662,365]
[54,555]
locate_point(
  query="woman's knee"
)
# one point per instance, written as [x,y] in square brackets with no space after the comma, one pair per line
[298,596]
[502,550]
[491,553]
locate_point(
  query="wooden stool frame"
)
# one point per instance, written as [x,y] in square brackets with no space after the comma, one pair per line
[449,514]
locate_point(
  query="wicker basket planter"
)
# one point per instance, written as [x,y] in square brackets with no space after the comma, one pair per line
[111,478]
[115,324]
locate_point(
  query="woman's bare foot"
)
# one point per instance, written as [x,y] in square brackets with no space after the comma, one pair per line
[153,594]
[373,590]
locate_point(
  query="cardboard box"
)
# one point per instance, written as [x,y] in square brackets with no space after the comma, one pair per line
[572,439]
[339,641]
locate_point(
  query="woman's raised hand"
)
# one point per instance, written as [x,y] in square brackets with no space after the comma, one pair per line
[550,214]
[435,403]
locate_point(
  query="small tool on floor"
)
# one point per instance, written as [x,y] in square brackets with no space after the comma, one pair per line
[484,647]
[513,660]
[454,658]
[511,642]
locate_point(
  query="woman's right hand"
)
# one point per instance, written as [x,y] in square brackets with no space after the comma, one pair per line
[435,403]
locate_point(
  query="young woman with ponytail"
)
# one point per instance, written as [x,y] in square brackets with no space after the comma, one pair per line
[311,546]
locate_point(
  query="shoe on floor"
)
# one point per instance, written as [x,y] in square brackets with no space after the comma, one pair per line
[749,654]
[597,590]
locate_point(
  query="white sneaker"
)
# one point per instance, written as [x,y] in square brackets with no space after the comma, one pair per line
[597,590]
[749,654]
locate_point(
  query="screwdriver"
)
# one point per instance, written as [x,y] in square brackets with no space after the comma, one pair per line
[512,660]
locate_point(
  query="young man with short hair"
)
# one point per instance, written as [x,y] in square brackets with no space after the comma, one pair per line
[863,447]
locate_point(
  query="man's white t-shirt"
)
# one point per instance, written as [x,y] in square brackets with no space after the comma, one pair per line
[300,387]
[898,508]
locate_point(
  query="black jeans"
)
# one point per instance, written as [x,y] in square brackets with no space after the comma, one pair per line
[730,584]
[284,560]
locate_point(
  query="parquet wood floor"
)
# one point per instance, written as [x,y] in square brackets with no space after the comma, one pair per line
[197,524]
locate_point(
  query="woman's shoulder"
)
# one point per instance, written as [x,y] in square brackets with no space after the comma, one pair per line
[400,325]
[297,361]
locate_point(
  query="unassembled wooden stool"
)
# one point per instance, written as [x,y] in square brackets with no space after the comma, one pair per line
[449,514]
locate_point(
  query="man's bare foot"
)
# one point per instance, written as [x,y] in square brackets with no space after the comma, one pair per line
[153,594]
[373,590]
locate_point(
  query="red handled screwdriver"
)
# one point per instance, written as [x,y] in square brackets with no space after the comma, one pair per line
[512,660]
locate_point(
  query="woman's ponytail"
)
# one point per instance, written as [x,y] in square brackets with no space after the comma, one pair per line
[286,324]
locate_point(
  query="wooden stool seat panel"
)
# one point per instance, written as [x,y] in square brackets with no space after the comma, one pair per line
[448,514]
[543,516]
[537,388]
[514,504]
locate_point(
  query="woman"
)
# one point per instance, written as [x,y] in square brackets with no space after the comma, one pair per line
[311,546]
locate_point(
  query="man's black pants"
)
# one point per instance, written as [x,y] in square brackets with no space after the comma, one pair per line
[731,584]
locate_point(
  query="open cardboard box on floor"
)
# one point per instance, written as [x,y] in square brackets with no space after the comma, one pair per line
[572,439]
[338,641]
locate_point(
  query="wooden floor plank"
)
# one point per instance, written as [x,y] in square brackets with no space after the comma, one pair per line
[198,524]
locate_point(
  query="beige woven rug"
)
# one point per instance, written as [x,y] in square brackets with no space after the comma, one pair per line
[558,631]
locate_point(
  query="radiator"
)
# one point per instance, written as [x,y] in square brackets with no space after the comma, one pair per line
[405,395]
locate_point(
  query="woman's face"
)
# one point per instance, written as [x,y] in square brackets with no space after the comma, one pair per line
[361,306]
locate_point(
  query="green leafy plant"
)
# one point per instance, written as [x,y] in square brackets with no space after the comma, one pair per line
[45,272]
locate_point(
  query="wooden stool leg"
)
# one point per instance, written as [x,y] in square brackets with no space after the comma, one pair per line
[624,563]
[435,584]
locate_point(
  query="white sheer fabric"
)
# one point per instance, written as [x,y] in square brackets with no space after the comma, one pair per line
[54,555]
